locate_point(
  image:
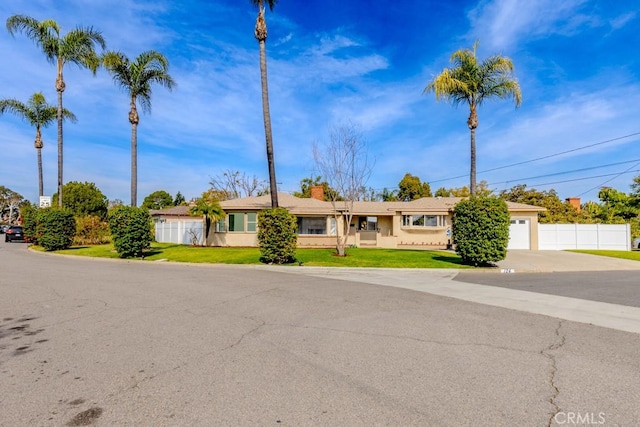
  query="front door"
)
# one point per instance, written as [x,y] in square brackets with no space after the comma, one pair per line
[368,227]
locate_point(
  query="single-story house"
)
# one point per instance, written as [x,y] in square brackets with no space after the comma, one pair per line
[423,223]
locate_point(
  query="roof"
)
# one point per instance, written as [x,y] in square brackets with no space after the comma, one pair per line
[306,206]
[172,211]
[293,204]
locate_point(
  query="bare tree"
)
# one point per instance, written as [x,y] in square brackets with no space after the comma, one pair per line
[344,163]
[236,184]
[10,202]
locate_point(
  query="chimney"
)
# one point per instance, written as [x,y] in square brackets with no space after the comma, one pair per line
[575,202]
[317,192]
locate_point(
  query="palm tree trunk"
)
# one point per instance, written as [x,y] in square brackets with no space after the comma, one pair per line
[38,145]
[472,122]
[273,187]
[261,36]
[472,174]
[40,181]
[60,88]
[134,119]
[134,164]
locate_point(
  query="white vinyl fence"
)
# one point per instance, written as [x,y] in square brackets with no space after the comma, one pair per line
[584,236]
[181,232]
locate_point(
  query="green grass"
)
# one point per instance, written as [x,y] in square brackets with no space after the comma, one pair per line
[632,255]
[356,257]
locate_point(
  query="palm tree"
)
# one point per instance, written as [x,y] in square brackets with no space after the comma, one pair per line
[261,35]
[39,114]
[472,83]
[136,78]
[76,46]
[208,206]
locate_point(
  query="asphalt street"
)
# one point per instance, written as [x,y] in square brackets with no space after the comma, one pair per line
[99,342]
[615,287]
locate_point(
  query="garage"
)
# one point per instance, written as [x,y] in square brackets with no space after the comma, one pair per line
[519,234]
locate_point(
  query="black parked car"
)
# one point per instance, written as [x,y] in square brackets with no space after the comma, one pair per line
[13,233]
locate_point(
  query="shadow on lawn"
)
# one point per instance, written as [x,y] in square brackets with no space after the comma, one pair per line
[151,252]
[449,260]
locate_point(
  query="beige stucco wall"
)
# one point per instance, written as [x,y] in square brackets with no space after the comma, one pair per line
[233,239]
[533,226]
[391,234]
[431,237]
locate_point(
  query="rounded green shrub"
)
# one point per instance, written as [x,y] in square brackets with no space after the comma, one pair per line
[55,228]
[29,221]
[481,230]
[277,236]
[130,230]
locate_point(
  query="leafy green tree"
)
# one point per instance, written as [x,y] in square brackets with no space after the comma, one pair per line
[473,82]
[387,195]
[158,200]
[76,47]
[557,210]
[39,114]
[635,191]
[482,189]
[136,79]
[84,198]
[411,188]
[618,204]
[208,206]
[277,236]
[179,200]
[307,183]
[481,230]
[130,229]
[442,192]
[260,33]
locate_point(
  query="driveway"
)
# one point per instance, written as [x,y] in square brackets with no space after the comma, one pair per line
[97,342]
[521,261]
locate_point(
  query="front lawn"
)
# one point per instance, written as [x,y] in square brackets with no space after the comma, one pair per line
[357,257]
[632,255]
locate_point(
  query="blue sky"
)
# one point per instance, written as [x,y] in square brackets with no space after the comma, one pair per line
[332,61]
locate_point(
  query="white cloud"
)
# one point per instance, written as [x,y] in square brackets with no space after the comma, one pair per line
[622,20]
[501,24]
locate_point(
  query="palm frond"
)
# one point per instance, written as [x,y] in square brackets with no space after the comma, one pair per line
[260,3]
[36,111]
[78,47]
[136,77]
[45,34]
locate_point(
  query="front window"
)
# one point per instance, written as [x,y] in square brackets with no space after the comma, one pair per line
[251,221]
[236,222]
[312,225]
[220,226]
[423,221]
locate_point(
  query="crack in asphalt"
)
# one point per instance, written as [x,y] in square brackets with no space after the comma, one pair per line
[148,378]
[410,338]
[547,352]
[227,301]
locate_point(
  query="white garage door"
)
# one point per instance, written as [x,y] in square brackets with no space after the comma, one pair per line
[519,234]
